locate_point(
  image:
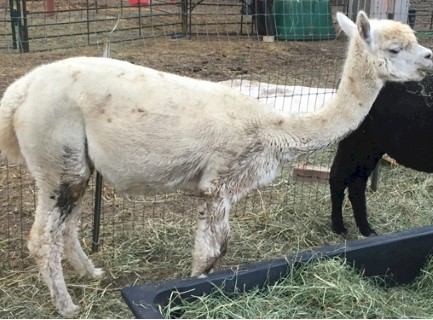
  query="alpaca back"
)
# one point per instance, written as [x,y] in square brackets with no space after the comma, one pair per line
[144,130]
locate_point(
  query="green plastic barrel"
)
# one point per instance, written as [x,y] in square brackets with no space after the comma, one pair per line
[303,20]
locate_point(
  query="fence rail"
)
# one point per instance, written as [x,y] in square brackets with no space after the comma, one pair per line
[28,26]
[85,24]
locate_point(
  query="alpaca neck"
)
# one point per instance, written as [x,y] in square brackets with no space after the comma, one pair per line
[358,89]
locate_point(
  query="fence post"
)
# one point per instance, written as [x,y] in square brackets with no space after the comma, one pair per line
[88,21]
[98,183]
[14,21]
[184,14]
[22,26]
[97,212]
[25,34]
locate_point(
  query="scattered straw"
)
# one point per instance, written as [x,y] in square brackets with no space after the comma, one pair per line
[150,239]
[282,219]
[324,289]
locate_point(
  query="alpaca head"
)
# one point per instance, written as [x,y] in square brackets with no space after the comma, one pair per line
[391,48]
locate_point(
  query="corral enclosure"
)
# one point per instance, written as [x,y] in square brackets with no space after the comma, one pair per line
[150,238]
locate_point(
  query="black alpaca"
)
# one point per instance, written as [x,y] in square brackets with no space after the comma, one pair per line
[400,124]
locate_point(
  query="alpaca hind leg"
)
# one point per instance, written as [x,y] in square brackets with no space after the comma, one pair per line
[74,179]
[61,188]
[60,167]
[73,250]
[212,236]
[46,246]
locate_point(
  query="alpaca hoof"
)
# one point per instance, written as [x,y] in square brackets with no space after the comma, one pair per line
[367,231]
[204,268]
[205,275]
[202,275]
[341,230]
[70,311]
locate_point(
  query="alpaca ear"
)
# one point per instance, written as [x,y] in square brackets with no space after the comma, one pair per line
[364,28]
[346,25]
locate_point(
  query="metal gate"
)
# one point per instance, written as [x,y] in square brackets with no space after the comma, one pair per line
[38,25]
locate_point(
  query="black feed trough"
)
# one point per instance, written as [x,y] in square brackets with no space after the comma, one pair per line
[399,256]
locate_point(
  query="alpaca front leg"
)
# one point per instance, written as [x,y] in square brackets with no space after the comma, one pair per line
[337,187]
[358,200]
[212,237]
[343,167]
[46,246]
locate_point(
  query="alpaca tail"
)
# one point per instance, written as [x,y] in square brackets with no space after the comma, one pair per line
[12,99]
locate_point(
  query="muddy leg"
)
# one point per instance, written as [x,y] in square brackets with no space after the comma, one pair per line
[73,250]
[212,236]
[55,228]
[46,246]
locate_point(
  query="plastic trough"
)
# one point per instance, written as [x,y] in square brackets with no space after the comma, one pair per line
[399,256]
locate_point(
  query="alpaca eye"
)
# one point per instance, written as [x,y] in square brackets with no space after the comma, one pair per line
[394,51]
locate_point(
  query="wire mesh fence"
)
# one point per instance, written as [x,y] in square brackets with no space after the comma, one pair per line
[217,40]
[31,26]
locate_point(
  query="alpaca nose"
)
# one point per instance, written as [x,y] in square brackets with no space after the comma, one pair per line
[428,54]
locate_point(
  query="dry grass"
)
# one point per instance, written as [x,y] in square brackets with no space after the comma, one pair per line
[150,239]
[323,289]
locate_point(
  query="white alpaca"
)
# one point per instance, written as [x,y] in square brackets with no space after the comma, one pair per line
[150,132]
[285,99]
